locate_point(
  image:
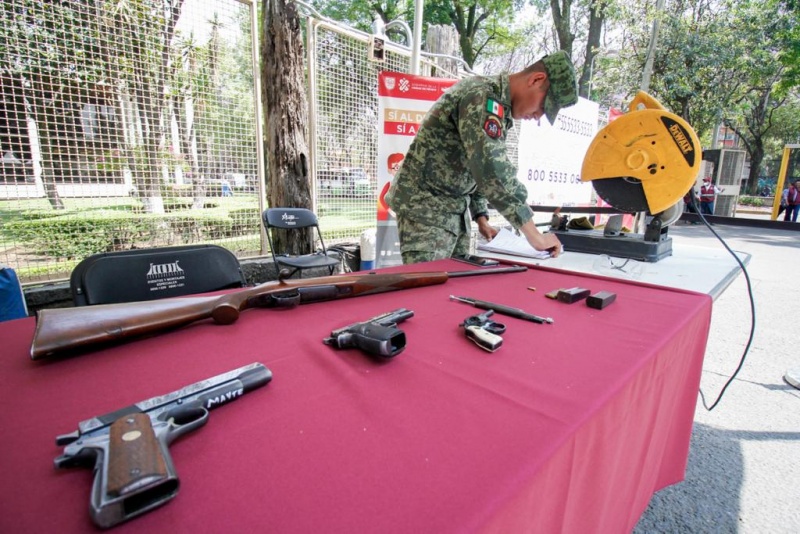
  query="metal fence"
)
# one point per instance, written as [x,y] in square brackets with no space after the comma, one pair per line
[125,125]
[132,125]
[344,122]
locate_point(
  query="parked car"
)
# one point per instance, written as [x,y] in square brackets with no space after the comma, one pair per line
[331,182]
[361,185]
[346,181]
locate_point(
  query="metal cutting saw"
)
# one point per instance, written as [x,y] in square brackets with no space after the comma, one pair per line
[645,161]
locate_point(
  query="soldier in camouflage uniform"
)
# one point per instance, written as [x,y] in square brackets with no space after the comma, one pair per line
[458,163]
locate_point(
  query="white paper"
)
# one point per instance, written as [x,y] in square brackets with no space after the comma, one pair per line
[507,242]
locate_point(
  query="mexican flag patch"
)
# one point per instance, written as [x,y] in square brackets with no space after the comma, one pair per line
[495,107]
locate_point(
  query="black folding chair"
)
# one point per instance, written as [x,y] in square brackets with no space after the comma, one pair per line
[295,219]
[154,273]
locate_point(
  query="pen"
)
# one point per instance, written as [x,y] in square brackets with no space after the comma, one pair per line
[503,310]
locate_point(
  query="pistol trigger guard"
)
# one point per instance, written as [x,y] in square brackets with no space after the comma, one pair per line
[495,328]
[81,456]
[173,428]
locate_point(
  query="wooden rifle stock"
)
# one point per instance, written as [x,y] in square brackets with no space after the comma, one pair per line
[65,329]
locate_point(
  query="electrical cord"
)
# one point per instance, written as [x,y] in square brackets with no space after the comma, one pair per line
[752,304]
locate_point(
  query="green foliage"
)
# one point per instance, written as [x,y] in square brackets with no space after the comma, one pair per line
[361,13]
[790,35]
[785,126]
[245,221]
[176,190]
[110,161]
[479,23]
[75,236]
[716,62]
[756,202]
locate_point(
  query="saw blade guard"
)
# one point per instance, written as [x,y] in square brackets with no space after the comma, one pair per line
[652,145]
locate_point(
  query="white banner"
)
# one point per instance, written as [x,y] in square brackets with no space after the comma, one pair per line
[550,157]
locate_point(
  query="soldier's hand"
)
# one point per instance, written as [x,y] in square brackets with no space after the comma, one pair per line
[486,230]
[548,242]
[540,241]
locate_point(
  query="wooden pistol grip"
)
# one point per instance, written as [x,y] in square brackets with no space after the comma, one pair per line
[135,460]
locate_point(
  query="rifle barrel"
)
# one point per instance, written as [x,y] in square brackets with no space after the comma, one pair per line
[64,329]
[478,272]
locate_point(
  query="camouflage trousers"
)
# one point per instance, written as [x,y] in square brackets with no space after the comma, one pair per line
[421,242]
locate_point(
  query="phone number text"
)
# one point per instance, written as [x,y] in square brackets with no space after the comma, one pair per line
[553,177]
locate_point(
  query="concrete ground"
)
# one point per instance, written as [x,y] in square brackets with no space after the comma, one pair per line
[743,474]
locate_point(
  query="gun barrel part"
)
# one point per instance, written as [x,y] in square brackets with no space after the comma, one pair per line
[504,310]
[249,377]
[478,272]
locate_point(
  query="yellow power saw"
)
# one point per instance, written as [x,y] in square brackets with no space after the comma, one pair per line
[644,161]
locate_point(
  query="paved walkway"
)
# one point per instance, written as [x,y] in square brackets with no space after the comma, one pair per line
[744,464]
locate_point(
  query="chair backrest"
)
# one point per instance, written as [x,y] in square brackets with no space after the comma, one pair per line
[296,219]
[155,273]
[290,218]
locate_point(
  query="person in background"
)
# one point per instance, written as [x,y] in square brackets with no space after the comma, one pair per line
[708,193]
[782,206]
[792,201]
[688,205]
[226,188]
[458,161]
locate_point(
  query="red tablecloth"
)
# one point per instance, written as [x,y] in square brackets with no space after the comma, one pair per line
[569,427]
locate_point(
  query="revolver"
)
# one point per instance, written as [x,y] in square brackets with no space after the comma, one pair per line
[378,336]
[483,331]
[133,471]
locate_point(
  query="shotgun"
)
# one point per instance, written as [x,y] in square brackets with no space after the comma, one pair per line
[65,329]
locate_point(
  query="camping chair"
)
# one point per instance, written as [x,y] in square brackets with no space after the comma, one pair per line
[154,273]
[295,219]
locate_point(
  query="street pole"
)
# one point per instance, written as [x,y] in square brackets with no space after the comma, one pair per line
[638,221]
[417,37]
[651,49]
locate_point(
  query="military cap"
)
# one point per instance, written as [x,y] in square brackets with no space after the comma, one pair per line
[563,90]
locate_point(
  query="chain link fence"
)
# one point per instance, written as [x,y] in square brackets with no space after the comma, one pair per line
[125,125]
[132,125]
[345,122]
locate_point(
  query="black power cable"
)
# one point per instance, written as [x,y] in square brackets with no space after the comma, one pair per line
[752,303]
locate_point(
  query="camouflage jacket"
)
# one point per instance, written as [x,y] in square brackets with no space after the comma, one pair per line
[458,159]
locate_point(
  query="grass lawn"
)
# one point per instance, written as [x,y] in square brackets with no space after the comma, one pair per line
[341,220]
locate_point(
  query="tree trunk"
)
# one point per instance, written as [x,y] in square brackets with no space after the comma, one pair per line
[286,116]
[756,157]
[56,125]
[149,78]
[562,17]
[48,180]
[597,15]
[443,40]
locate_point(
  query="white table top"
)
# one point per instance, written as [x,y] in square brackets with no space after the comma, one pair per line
[702,269]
